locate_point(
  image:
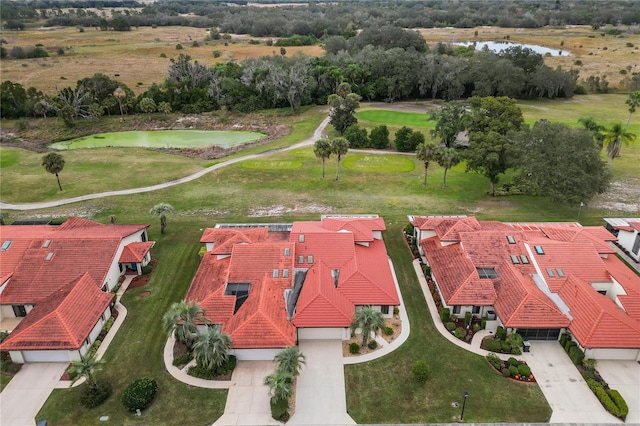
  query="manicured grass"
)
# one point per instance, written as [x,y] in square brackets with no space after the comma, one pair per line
[4,381]
[396,118]
[137,348]
[379,163]
[383,391]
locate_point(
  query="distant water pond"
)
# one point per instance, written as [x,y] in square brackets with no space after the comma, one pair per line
[498,46]
[162,139]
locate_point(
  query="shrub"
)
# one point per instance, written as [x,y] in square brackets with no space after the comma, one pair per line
[179,46]
[564,339]
[506,372]
[217,53]
[494,360]
[182,359]
[388,331]
[587,374]
[524,370]
[372,344]
[22,123]
[515,341]
[492,345]
[445,313]
[576,355]
[476,328]
[195,43]
[505,347]
[426,270]
[513,369]
[354,348]
[202,372]
[396,310]
[450,326]
[147,269]
[139,394]
[590,363]
[593,384]
[619,401]
[460,332]
[467,317]
[569,345]
[163,55]
[279,409]
[483,323]
[91,398]
[512,361]
[420,371]
[606,401]
[501,333]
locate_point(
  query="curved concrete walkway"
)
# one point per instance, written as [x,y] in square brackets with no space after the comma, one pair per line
[317,134]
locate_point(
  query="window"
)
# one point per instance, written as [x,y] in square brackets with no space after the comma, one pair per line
[310,259]
[538,249]
[301,238]
[287,251]
[515,259]
[88,341]
[636,245]
[384,309]
[6,244]
[275,273]
[285,273]
[300,259]
[510,239]
[475,310]
[456,309]
[19,311]
[524,259]
[240,291]
[488,273]
[603,292]
[550,273]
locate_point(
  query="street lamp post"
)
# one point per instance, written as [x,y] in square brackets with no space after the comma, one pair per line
[466,394]
[580,210]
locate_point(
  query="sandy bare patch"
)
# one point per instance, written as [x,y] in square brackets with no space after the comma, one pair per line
[622,196]
[394,323]
[280,210]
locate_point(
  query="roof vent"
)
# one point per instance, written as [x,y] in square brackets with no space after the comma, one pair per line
[335,273]
[46,243]
[511,239]
[538,249]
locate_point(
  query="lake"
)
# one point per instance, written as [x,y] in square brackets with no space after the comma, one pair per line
[162,139]
[497,46]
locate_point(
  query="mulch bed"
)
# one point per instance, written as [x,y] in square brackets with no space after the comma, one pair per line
[141,280]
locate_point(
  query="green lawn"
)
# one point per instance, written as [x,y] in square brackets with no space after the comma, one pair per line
[271,190]
[138,346]
[396,118]
[383,391]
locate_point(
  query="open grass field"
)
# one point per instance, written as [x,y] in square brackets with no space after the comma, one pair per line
[600,55]
[133,57]
[272,190]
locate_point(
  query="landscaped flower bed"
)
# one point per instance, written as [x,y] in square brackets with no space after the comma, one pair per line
[512,368]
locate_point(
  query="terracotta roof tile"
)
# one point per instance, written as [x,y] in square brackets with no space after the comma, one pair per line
[135,252]
[63,320]
[207,288]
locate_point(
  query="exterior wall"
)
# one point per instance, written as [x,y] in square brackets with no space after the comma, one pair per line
[626,240]
[255,354]
[620,354]
[325,333]
[209,246]
[93,335]
[114,271]
[378,308]
[6,311]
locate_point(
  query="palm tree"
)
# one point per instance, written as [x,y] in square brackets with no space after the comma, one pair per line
[3,217]
[614,138]
[54,163]
[212,348]
[182,320]
[120,94]
[633,101]
[426,152]
[447,158]
[161,210]
[87,367]
[290,360]
[589,124]
[280,385]
[368,320]
[322,150]
[339,147]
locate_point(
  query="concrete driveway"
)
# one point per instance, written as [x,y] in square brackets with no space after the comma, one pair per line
[568,394]
[320,393]
[624,376]
[248,398]
[27,392]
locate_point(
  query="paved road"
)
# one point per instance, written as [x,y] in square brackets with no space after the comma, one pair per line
[317,134]
[27,392]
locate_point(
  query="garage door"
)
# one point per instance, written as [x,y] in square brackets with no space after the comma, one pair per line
[319,333]
[45,356]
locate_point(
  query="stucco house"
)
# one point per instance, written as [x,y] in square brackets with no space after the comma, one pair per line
[55,284]
[539,279]
[628,232]
[270,285]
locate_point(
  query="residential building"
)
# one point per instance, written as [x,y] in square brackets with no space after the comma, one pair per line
[628,232]
[537,279]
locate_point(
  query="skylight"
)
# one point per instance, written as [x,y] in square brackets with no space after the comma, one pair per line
[550,273]
[287,251]
[560,272]
[275,273]
[487,273]
[310,259]
[515,259]
[46,243]
[285,273]
[301,238]
[240,291]
[49,256]
[300,259]
[524,259]
[6,244]
[539,249]
[511,239]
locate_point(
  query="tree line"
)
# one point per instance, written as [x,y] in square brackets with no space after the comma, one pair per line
[330,17]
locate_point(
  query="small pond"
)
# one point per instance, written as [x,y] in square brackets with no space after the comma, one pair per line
[163,139]
[497,46]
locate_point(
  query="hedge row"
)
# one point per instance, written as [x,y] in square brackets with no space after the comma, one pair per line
[611,400]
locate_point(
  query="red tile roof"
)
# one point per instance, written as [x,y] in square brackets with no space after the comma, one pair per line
[207,288]
[362,228]
[63,320]
[41,258]
[224,239]
[597,321]
[135,252]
